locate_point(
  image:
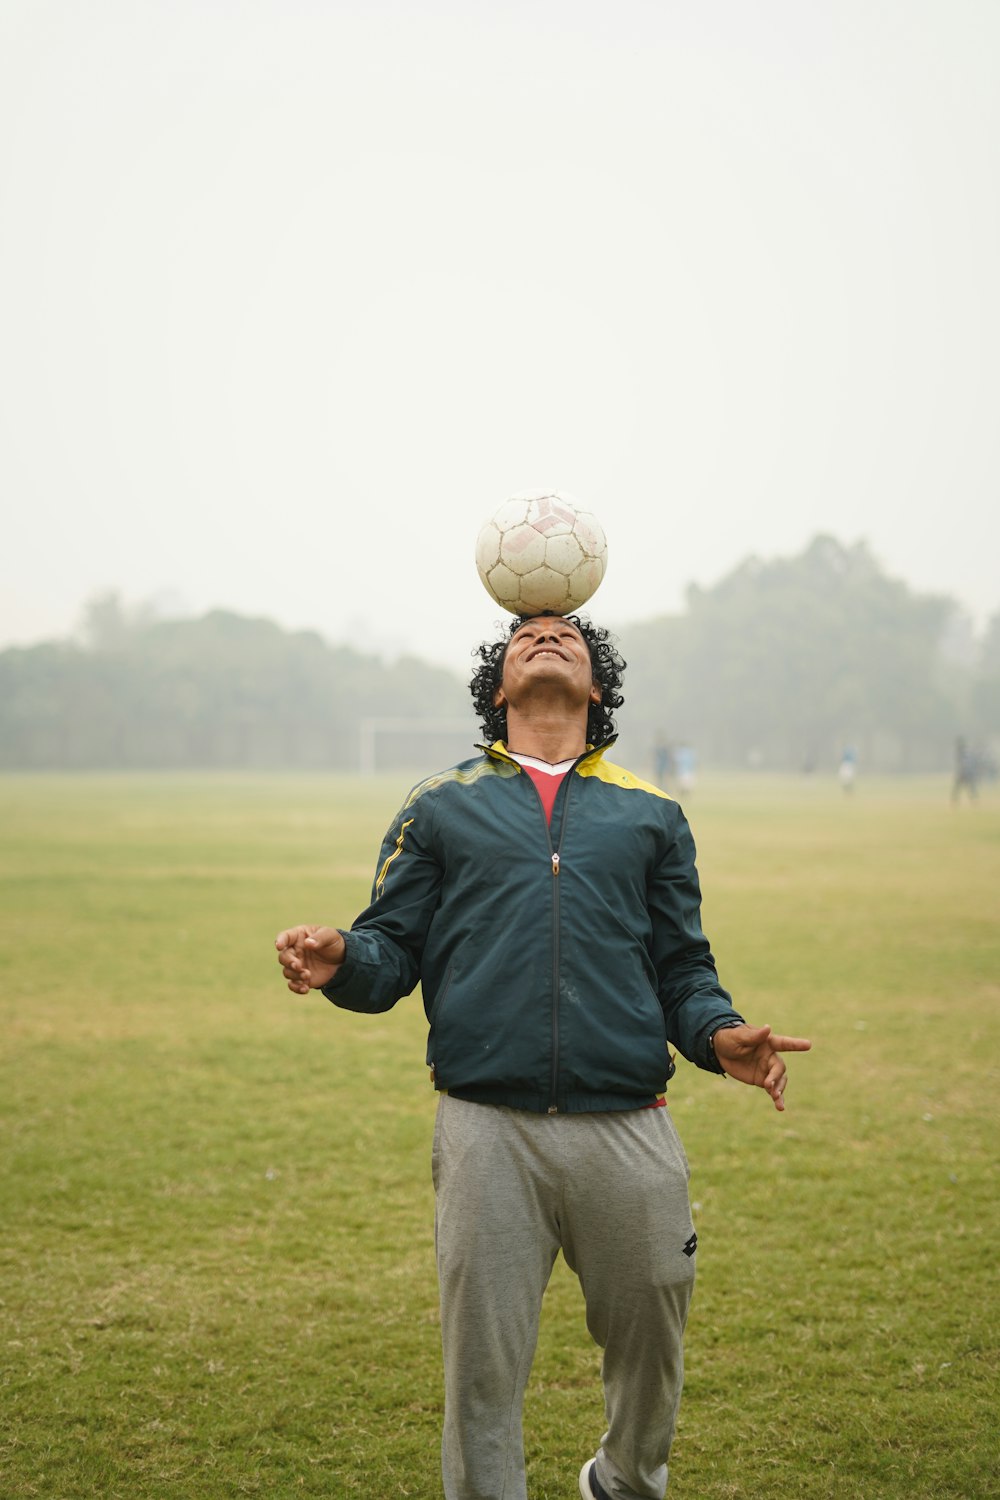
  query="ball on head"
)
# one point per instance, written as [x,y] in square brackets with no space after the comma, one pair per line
[541,551]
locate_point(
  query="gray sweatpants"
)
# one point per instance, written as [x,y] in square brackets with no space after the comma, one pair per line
[610,1191]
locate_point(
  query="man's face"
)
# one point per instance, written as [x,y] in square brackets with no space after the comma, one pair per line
[547,651]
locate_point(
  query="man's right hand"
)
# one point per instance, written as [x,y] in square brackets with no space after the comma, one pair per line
[310,956]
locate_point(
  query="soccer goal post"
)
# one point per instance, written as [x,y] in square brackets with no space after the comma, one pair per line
[371,731]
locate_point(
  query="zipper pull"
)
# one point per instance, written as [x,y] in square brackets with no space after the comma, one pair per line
[555,864]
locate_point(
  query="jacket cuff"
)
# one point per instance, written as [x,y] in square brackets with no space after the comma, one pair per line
[706,1052]
[345,973]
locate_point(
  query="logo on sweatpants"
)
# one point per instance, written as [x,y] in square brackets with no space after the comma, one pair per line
[691,1245]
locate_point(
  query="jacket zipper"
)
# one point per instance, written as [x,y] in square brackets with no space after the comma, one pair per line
[555,855]
[556,866]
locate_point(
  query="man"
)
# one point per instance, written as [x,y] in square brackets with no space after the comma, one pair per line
[549,905]
[966,772]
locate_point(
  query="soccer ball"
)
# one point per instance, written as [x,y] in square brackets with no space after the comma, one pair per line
[541,551]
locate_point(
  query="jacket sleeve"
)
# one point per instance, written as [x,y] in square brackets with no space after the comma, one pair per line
[385,944]
[694,1002]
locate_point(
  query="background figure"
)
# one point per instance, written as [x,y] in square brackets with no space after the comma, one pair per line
[663,762]
[684,762]
[966,772]
[848,768]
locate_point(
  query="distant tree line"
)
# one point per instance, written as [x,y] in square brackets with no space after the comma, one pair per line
[786,663]
[220,691]
[782,665]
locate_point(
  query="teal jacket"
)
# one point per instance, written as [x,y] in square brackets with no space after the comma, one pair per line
[558,965]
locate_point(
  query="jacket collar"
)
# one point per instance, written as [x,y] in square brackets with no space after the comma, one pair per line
[498,751]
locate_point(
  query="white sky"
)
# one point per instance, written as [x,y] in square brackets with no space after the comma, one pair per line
[293,293]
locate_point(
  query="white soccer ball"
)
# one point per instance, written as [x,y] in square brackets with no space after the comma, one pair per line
[541,551]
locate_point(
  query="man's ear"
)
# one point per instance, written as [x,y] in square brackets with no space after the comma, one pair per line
[498,698]
[595,693]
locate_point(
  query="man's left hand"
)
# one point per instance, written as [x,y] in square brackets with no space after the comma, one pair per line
[753,1055]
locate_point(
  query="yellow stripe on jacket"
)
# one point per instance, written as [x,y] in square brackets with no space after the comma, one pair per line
[380,877]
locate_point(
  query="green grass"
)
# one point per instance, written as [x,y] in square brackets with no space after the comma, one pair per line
[216,1259]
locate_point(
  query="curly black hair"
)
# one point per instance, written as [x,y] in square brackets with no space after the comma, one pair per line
[608,668]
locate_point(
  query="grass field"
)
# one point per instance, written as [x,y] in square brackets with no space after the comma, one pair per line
[216,1263]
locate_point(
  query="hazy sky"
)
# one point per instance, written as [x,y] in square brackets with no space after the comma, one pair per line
[292,295]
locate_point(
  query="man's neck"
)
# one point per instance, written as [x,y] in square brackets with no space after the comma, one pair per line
[546,737]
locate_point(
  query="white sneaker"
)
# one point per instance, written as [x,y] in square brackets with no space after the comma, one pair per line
[590,1489]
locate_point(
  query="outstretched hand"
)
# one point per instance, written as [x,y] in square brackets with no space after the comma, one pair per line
[310,956]
[753,1055]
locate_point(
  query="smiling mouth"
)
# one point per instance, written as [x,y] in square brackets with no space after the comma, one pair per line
[548,651]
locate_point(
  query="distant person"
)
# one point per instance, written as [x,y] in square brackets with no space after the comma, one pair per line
[966,772]
[663,763]
[547,902]
[848,769]
[684,769]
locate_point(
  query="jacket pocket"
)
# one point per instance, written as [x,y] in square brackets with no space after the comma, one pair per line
[434,1014]
[658,1009]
